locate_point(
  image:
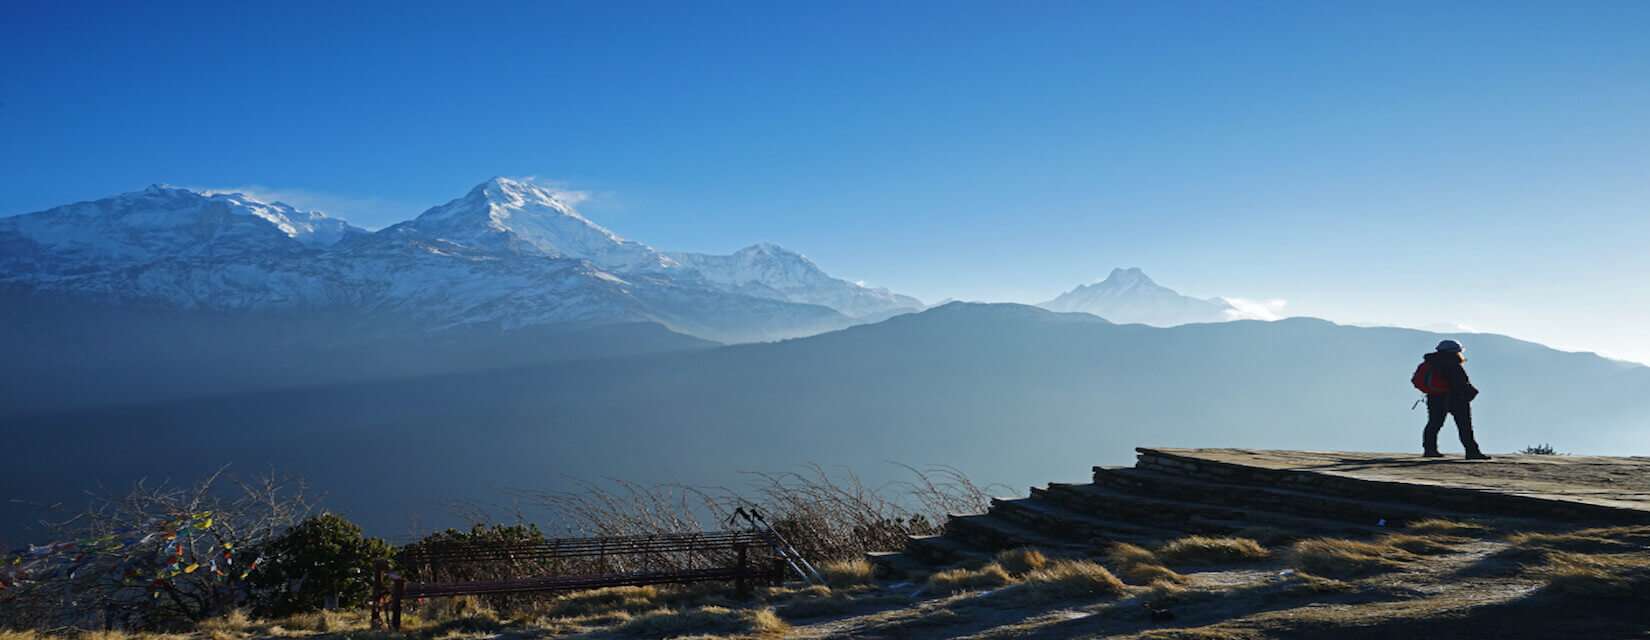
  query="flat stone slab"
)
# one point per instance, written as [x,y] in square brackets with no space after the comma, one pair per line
[1600,481]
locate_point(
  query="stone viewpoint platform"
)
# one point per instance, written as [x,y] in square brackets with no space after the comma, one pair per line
[1282,495]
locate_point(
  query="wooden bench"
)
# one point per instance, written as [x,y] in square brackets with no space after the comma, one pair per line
[572,564]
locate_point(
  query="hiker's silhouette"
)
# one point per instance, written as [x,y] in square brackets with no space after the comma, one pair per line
[1449,392]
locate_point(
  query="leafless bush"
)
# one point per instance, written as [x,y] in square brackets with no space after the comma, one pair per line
[826,516]
[158,557]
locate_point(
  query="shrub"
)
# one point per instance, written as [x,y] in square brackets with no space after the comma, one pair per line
[158,557]
[323,556]
[1539,450]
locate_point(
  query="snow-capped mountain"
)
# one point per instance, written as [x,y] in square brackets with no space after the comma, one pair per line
[503,215]
[770,271]
[161,223]
[1130,296]
[508,254]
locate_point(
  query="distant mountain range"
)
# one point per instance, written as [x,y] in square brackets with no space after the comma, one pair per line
[1130,296]
[1008,393]
[508,254]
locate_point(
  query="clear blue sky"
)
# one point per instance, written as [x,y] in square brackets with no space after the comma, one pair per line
[1485,164]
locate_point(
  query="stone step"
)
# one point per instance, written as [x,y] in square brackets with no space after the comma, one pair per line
[994,532]
[1214,517]
[1051,518]
[943,549]
[1276,500]
[895,564]
[1458,499]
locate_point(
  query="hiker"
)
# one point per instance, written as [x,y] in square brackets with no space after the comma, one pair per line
[1448,390]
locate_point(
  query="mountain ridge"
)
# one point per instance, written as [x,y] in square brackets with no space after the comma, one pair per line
[1128,295]
[507,253]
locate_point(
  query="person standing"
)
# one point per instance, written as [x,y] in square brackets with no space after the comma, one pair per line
[1449,393]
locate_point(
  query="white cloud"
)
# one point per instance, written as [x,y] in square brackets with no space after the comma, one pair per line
[560,189]
[1245,309]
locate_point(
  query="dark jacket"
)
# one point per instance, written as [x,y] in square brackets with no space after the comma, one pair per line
[1448,365]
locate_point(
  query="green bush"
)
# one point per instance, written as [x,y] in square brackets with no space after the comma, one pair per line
[321,556]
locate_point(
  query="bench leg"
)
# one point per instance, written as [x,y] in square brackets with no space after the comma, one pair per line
[744,583]
[378,595]
[395,603]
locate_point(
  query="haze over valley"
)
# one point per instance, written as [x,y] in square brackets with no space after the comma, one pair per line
[503,341]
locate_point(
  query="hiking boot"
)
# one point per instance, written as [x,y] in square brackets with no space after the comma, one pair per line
[1478,455]
[1431,454]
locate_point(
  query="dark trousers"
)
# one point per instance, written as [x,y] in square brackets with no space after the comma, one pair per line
[1437,408]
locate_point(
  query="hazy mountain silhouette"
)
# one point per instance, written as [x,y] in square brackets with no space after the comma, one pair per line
[1009,393]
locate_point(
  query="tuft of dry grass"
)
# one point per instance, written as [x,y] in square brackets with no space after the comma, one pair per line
[1138,565]
[1198,633]
[989,576]
[1615,576]
[848,573]
[1422,545]
[1072,579]
[1337,558]
[1445,527]
[667,623]
[1022,560]
[1124,553]
[1583,541]
[1200,550]
[1308,583]
[229,626]
[601,602]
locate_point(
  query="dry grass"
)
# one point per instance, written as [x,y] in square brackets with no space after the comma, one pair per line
[1617,576]
[1583,541]
[1423,545]
[1203,550]
[1072,579]
[596,603]
[1138,565]
[1338,558]
[989,576]
[1308,583]
[1206,633]
[667,623]
[848,573]
[1021,561]
[1445,527]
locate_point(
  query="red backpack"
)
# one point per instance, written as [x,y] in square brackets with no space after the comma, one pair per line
[1427,383]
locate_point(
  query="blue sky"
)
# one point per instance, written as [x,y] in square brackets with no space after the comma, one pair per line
[1478,164]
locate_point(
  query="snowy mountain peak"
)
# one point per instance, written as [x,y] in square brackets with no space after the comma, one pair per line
[162,222]
[1128,277]
[1129,295]
[521,217]
[771,251]
[768,270]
